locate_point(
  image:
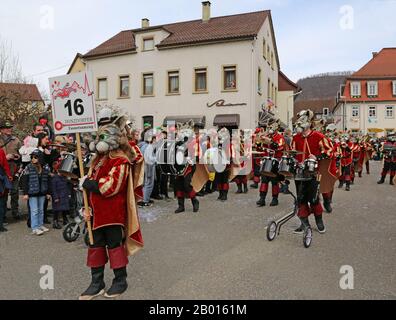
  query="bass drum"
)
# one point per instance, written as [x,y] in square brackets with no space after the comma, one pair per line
[215,160]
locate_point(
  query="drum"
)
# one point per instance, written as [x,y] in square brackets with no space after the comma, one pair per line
[287,167]
[215,160]
[68,166]
[181,164]
[269,167]
[306,171]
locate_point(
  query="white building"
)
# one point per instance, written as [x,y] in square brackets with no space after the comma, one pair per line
[368,101]
[218,71]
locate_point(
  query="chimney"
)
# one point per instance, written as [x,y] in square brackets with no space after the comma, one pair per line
[205,11]
[145,23]
[375,54]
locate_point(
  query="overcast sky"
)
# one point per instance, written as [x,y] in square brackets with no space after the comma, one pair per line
[312,36]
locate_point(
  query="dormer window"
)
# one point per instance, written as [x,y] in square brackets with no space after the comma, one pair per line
[355,89]
[148,44]
[372,88]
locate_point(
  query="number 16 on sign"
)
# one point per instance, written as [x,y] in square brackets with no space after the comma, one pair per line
[73,104]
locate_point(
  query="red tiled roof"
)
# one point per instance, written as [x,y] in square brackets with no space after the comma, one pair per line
[385,92]
[121,42]
[27,92]
[285,84]
[246,25]
[382,64]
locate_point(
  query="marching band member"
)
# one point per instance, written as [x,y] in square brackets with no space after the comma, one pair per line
[274,141]
[223,178]
[312,145]
[365,155]
[345,152]
[183,183]
[355,158]
[240,180]
[389,151]
[258,154]
[113,182]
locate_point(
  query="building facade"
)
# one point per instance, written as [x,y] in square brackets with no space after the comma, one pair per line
[368,101]
[220,70]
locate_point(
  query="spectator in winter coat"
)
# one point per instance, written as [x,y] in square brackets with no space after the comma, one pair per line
[6,174]
[60,192]
[35,185]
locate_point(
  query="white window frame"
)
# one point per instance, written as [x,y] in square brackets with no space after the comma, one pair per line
[392,110]
[99,97]
[372,85]
[394,87]
[144,42]
[120,80]
[225,69]
[359,89]
[375,109]
[198,71]
[144,93]
[326,113]
[170,74]
[357,110]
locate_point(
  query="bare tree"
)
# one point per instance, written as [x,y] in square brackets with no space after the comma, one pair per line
[10,68]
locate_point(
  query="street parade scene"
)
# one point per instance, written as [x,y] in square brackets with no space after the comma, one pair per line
[175,159]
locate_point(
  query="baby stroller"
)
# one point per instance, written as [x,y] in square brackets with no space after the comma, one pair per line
[78,227]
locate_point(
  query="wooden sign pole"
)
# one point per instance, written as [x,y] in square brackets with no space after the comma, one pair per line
[82,174]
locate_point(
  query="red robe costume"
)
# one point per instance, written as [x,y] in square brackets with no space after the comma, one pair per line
[119,185]
[321,147]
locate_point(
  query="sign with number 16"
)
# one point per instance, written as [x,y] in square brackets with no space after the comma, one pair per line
[73,104]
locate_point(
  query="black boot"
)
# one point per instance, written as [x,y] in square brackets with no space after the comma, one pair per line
[304,224]
[220,195]
[181,205]
[225,195]
[119,285]
[327,205]
[245,188]
[195,204]
[274,202]
[56,224]
[348,186]
[239,189]
[96,288]
[65,219]
[341,184]
[382,180]
[391,181]
[320,224]
[261,202]
[254,185]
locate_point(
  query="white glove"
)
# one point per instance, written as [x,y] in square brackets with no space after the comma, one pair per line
[81,182]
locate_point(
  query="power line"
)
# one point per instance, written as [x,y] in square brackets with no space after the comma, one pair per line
[40,73]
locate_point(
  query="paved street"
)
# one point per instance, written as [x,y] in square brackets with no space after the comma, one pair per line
[222,252]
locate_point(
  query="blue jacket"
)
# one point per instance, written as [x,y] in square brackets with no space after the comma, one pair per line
[61,193]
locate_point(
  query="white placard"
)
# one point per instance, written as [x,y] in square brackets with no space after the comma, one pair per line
[73,103]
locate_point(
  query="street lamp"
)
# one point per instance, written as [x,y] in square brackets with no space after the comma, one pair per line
[288,113]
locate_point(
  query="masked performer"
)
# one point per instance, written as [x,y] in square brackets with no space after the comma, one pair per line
[389,151]
[314,146]
[114,184]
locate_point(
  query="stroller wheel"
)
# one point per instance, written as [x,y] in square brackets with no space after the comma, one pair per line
[271,231]
[71,232]
[307,237]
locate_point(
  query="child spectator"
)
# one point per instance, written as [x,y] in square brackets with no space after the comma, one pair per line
[60,191]
[29,145]
[35,185]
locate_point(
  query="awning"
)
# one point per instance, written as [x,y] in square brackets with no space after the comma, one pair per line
[199,121]
[227,120]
